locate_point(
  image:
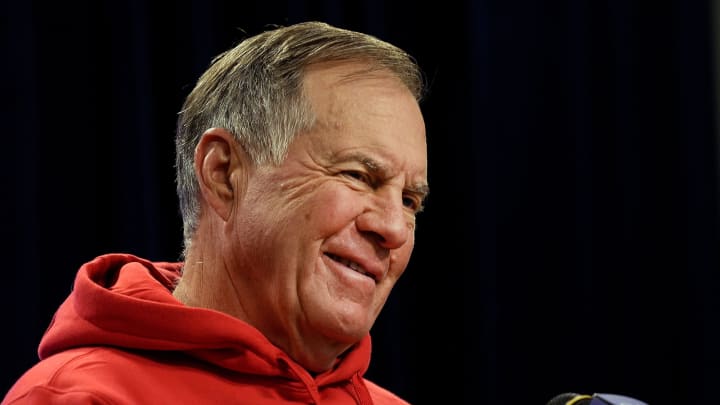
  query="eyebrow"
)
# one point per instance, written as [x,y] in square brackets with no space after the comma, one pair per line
[422,189]
[378,168]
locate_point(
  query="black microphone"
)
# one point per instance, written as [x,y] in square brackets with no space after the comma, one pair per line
[571,398]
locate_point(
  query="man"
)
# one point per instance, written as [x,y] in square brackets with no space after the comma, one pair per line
[301,164]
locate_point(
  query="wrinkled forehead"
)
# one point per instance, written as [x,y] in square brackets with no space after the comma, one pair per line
[361,112]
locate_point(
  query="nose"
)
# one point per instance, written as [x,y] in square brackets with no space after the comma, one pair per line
[386,218]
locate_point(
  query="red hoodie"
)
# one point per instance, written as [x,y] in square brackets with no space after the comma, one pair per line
[122,338]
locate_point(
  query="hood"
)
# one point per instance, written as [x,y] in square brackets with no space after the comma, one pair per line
[125,301]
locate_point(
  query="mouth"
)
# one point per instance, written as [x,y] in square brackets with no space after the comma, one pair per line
[351,265]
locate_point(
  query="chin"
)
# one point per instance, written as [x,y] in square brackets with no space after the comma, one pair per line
[348,333]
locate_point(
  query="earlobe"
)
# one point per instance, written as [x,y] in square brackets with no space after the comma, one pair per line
[216,159]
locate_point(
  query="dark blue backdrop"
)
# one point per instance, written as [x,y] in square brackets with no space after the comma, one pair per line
[570,241]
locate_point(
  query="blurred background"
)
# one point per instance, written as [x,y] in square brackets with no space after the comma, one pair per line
[570,242]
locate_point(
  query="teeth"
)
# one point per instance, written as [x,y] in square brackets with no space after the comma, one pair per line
[350,264]
[353,266]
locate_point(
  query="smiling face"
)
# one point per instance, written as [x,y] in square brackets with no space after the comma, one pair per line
[320,241]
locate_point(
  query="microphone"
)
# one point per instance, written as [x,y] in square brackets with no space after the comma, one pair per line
[571,398]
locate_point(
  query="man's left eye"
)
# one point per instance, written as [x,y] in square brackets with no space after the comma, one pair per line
[413,203]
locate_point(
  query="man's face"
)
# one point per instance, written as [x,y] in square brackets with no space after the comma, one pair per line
[322,239]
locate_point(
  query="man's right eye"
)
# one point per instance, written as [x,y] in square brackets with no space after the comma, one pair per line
[358,175]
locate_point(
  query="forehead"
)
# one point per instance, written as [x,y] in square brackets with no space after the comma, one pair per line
[360,112]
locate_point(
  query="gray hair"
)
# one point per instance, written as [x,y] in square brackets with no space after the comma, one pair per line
[255,91]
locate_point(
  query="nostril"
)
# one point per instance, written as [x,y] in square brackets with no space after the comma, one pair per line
[377,238]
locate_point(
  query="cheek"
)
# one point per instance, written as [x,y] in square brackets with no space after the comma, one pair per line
[332,209]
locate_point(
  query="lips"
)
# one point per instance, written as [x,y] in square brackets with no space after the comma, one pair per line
[351,264]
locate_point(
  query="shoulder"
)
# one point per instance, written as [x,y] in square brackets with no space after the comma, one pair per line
[92,375]
[382,396]
[46,382]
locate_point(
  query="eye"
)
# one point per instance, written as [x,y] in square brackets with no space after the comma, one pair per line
[358,175]
[413,203]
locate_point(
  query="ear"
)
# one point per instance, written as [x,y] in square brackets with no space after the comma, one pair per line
[219,162]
